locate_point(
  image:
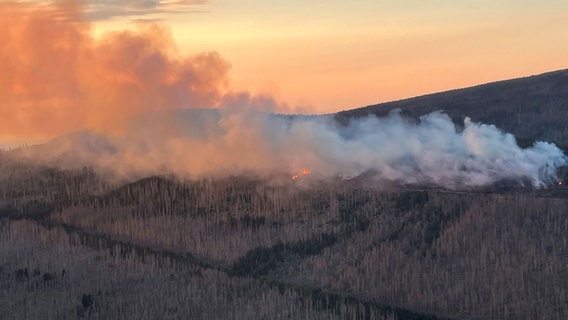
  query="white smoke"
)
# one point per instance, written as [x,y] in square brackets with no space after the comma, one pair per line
[198,142]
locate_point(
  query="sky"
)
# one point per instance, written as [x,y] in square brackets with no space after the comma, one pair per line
[333,55]
[67,60]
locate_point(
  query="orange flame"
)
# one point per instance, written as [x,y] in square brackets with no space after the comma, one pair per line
[303,173]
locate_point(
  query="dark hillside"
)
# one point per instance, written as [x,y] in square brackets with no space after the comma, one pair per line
[77,242]
[339,249]
[531,108]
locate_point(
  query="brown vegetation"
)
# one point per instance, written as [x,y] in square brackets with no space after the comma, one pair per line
[261,246]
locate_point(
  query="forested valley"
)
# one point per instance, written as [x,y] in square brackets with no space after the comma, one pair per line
[82,244]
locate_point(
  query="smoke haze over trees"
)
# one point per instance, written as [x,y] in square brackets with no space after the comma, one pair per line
[198,142]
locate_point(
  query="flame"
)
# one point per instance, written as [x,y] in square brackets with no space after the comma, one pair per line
[303,173]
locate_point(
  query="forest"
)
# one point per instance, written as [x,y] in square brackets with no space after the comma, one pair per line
[82,244]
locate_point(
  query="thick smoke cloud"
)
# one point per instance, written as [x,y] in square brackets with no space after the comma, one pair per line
[56,77]
[197,143]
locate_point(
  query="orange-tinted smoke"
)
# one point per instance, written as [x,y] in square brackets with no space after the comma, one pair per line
[55,77]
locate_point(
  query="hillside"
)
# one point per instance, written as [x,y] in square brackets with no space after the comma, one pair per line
[257,249]
[531,108]
[83,241]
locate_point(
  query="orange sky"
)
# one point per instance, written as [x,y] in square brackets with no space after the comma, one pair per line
[332,55]
[61,69]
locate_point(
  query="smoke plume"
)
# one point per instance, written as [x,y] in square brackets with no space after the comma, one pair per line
[56,77]
[206,142]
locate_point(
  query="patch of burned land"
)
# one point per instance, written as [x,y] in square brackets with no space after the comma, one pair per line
[254,247]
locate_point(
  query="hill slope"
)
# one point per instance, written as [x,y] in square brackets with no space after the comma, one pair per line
[78,241]
[532,108]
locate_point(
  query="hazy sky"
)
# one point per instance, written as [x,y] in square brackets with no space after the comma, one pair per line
[69,64]
[330,55]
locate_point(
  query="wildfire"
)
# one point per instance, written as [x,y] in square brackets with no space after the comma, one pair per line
[303,173]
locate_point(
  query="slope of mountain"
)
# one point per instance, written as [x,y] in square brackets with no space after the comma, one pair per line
[531,108]
[76,242]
